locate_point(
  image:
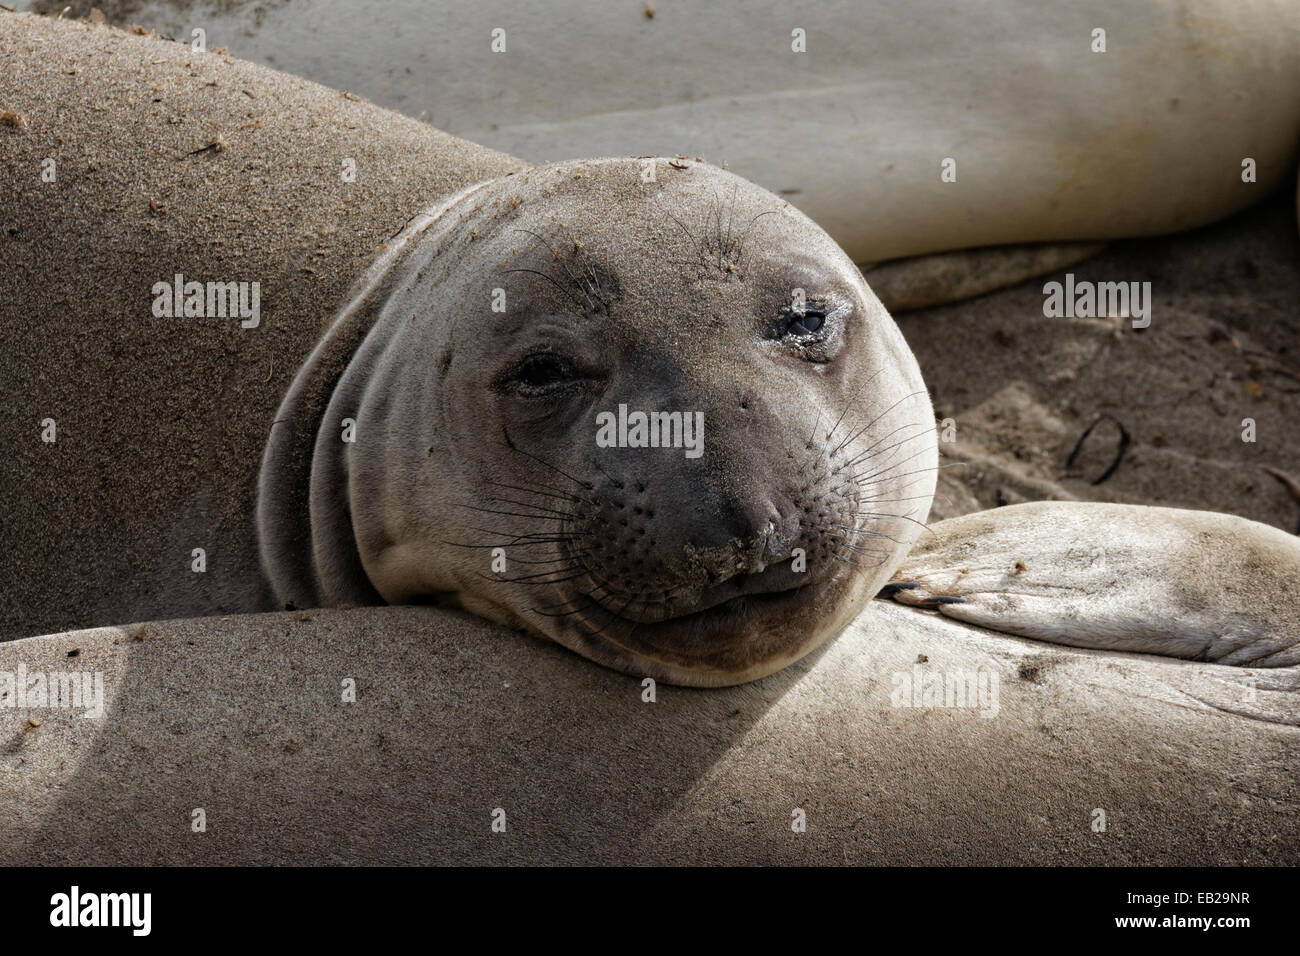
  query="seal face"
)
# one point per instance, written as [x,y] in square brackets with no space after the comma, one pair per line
[664,423]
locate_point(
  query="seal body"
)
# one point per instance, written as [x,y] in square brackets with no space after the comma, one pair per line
[133,161]
[1055,131]
[474,717]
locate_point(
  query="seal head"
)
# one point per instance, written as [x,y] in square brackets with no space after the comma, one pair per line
[641,407]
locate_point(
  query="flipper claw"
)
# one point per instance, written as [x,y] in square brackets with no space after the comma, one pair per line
[893,587]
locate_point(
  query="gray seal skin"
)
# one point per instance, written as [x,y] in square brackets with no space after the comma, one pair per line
[476,430]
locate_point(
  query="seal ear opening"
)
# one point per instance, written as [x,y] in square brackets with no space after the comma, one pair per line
[288,547]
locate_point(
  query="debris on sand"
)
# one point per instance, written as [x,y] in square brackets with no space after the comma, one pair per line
[218,145]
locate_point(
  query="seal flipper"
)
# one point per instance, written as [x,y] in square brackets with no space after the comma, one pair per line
[1190,584]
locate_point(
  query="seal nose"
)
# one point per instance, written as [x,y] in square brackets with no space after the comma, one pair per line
[768,546]
[747,538]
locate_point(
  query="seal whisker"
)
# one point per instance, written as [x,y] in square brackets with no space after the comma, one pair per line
[886,458]
[550,493]
[861,550]
[879,474]
[598,289]
[868,534]
[550,535]
[587,279]
[731,209]
[617,484]
[920,471]
[740,241]
[556,257]
[552,280]
[523,504]
[564,557]
[546,464]
[809,442]
[699,243]
[879,417]
[518,541]
[538,610]
[585,597]
[719,207]
[873,499]
[868,514]
[864,567]
[890,500]
[512,514]
[849,403]
[528,579]
[871,453]
[589,597]
[594,630]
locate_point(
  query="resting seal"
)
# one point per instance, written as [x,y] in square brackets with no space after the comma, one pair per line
[169,162]
[1057,134]
[427,429]
[476,438]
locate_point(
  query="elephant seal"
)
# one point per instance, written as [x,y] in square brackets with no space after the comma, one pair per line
[656,286]
[1063,122]
[476,475]
[429,389]
[1192,764]
[135,439]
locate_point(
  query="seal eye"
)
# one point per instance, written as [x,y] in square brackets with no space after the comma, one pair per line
[540,373]
[813,329]
[809,323]
[812,320]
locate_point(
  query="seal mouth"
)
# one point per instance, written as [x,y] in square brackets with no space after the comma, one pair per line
[722,615]
[773,580]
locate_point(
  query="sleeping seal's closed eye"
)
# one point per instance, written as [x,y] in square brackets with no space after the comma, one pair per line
[539,374]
